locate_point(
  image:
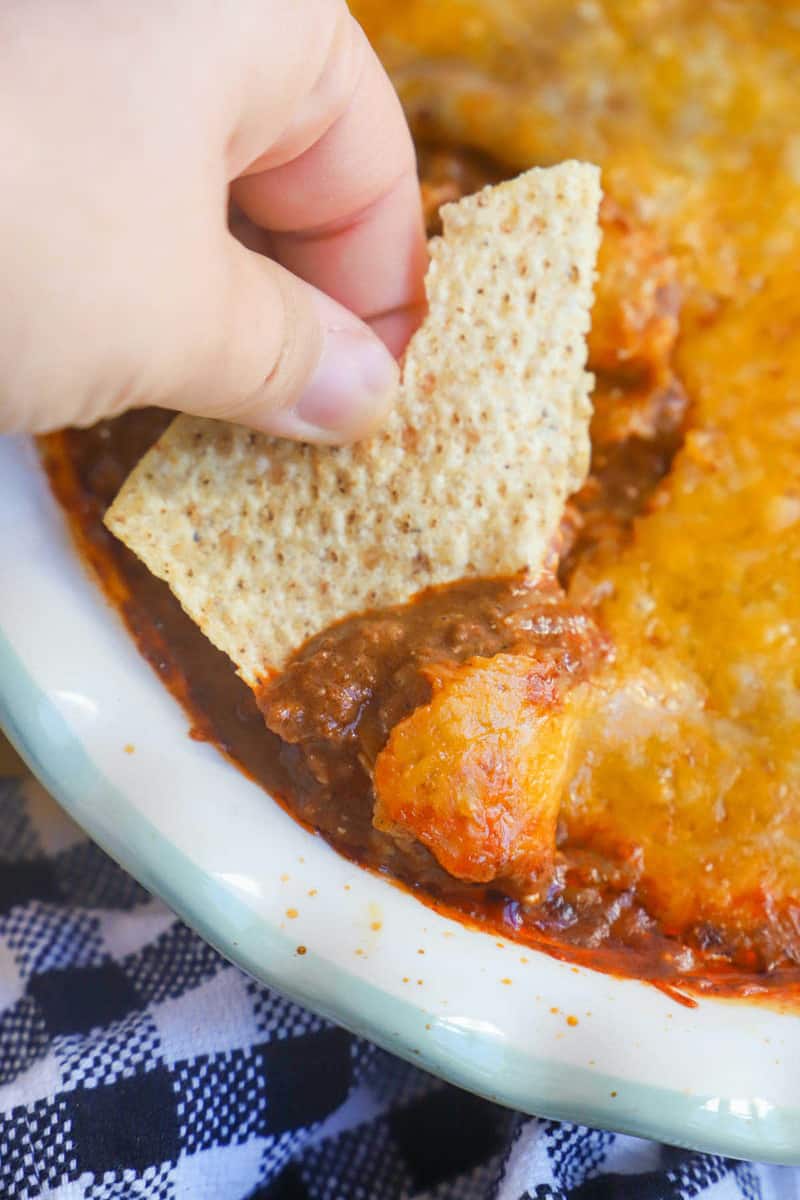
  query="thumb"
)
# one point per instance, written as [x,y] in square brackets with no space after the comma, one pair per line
[286,359]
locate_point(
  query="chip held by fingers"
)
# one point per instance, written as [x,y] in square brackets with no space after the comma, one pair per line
[266,542]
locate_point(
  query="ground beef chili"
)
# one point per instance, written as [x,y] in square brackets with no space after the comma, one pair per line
[312,736]
[347,688]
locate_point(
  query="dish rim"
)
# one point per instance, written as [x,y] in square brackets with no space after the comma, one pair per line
[515,1076]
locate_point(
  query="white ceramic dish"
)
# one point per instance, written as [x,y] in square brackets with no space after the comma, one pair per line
[486,1014]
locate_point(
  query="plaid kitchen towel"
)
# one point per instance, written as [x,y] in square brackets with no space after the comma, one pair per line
[136,1062]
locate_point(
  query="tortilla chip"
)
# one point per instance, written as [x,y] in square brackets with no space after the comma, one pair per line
[265,542]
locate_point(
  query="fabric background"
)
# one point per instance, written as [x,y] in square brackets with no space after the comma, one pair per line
[136,1062]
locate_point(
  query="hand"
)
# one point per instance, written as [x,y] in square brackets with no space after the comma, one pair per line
[128,134]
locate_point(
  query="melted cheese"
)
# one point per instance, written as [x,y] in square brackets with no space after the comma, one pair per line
[690,758]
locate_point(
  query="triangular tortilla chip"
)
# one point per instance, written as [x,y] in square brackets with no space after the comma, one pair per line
[265,542]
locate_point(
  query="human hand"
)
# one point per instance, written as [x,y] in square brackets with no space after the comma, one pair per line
[126,130]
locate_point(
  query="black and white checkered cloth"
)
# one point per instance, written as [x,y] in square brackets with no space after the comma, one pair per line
[136,1062]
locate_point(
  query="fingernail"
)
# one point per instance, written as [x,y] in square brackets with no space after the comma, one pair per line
[352,388]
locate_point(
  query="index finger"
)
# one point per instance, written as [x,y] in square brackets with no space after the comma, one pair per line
[345,213]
